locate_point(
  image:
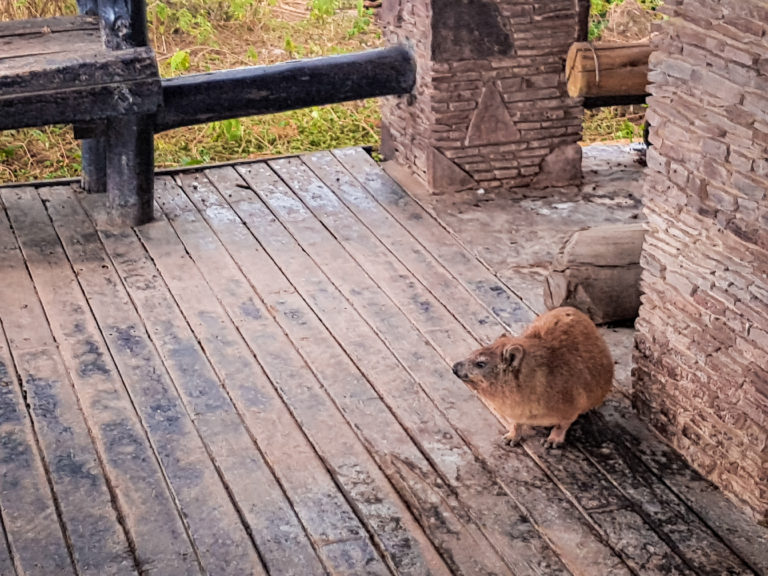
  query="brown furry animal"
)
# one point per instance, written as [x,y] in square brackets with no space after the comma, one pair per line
[558,369]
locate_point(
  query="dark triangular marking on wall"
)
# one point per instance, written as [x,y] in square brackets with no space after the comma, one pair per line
[469,30]
[491,122]
[446,176]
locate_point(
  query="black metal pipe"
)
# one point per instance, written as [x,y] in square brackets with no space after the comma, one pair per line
[199,98]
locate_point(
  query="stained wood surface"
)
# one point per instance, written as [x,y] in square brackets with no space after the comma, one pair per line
[259,382]
[59,70]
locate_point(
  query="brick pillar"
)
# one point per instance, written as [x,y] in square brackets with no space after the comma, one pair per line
[490,109]
[701,374]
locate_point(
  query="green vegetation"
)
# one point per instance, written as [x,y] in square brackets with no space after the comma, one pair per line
[201,35]
[614,123]
[599,11]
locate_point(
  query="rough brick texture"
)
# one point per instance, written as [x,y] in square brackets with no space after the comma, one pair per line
[490,103]
[701,374]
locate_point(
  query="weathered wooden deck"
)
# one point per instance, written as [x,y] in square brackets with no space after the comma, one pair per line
[259,382]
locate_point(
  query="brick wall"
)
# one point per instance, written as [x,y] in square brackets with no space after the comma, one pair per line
[701,375]
[490,107]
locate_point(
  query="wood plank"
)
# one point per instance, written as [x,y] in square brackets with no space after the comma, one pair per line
[6,562]
[462,544]
[30,75]
[610,512]
[327,517]
[375,501]
[704,554]
[492,509]
[220,541]
[399,240]
[29,516]
[463,409]
[149,514]
[669,517]
[410,296]
[79,105]
[746,539]
[260,500]
[59,43]
[360,250]
[513,313]
[80,489]
[39,26]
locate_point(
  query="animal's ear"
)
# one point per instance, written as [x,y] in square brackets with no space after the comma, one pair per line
[503,335]
[512,356]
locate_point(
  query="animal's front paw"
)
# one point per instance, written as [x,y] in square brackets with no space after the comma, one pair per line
[512,438]
[550,443]
[509,441]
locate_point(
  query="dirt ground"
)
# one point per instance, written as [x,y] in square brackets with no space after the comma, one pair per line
[518,237]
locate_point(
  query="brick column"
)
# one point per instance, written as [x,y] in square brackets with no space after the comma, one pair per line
[701,375]
[490,109]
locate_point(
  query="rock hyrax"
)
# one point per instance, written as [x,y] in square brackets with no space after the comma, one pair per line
[559,368]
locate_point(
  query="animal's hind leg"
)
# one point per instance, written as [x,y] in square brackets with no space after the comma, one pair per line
[557,435]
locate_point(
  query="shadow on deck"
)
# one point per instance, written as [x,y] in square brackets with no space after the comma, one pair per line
[259,382]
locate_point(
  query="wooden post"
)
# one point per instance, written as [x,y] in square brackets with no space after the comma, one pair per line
[130,174]
[93,150]
[130,152]
[94,164]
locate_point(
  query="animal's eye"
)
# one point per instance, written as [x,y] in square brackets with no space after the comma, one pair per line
[480,364]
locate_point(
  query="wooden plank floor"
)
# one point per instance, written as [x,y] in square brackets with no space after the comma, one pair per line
[259,382]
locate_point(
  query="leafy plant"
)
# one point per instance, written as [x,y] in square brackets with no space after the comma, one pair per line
[180,61]
[599,10]
[324,8]
[363,20]
[292,49]
[613,123]
[230,130]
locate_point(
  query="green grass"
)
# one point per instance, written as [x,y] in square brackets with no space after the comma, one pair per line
[614,123]
[202,35]
[599,10]
[317,128]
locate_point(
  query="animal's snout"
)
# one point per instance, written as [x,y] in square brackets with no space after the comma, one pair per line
[459,371]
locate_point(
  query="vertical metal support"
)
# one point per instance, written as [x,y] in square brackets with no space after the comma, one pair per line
[94,164]
[130,170]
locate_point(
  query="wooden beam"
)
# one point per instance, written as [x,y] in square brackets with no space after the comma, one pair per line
[199,98]
[607,70]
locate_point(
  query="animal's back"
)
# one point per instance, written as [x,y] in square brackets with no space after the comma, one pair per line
[576,356]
